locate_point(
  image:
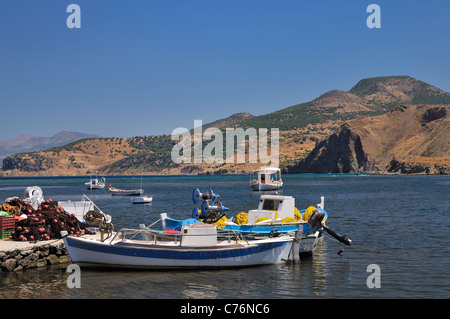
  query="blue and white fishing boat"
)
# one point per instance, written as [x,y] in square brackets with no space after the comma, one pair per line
[197,245]
[275,215]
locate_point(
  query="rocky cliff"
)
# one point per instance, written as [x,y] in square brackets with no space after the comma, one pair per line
[342,152]
[408,139]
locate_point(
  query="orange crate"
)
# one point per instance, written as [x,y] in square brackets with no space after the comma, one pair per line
[7,222]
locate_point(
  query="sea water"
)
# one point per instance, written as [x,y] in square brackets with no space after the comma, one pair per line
[398,223]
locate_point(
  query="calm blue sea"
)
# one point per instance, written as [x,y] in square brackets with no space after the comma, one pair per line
[400,223]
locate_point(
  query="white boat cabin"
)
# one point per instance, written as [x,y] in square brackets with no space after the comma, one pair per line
[274,207]
[266,178]
[199,235]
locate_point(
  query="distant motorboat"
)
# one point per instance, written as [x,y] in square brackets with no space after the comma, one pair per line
[266,178]
[125,192]
[94,183]
[141,199]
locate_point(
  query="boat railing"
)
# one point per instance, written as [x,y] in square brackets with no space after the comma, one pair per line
[95,206]
[127,234]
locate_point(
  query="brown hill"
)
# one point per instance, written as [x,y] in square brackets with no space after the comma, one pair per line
[409,139]
[339,101]
[76,158]
[393,90]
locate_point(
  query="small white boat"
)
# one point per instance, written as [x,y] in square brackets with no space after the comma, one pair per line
[125,192]
[266,178]
[141,199]
[197,245]
[94,183]
[80,208]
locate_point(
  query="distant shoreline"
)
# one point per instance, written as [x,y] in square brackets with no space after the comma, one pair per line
[212,175]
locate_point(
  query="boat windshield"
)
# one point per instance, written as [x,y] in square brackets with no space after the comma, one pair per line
[144,235]
[271,204]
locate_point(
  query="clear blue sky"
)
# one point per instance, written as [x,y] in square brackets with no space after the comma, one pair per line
[148,67]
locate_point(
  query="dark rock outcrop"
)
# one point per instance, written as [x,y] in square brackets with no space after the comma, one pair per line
[342,152]
[403,167]
[434,114]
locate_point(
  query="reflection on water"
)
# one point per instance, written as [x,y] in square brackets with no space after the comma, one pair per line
[46,282]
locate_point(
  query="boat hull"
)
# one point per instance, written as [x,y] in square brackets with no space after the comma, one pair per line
[121,192]
[141,200]
[265,187]
[308,241]
[96,253]
[92,186]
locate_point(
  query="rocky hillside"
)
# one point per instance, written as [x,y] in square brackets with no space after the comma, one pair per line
[408,139]
[339,131]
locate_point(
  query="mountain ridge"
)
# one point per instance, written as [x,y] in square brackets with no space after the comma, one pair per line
[34,142]
[371,96]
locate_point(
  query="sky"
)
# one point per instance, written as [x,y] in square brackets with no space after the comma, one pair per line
[148,67]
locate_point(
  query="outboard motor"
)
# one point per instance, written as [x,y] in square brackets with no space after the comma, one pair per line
[315,221]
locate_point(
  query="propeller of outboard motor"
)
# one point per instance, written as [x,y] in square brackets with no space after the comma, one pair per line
[316,221]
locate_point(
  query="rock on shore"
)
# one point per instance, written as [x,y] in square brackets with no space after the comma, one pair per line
[17,258]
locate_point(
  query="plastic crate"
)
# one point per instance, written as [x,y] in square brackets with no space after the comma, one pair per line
[7,222]
[4,233]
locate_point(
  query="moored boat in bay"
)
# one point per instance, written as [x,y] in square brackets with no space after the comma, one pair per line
[197,245]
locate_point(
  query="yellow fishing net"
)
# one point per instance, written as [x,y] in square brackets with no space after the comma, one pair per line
[261,219]
[297,214]
[221,222]
[241,218]
[11,210]
[307,214]
[289,220]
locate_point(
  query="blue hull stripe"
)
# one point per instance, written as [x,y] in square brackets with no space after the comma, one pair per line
[168,253]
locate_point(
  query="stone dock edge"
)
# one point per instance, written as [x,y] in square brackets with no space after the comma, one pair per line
[17,256]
